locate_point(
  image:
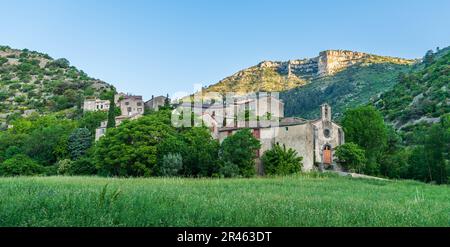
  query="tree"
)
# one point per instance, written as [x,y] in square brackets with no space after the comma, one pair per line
[365,127]
[351,157]
[435,148]
[80,140]
[111,113]
[428,59]
[240,149]
[83,166]
[92,120]
[20,165]
[171,165]
[281,161]
[131,148]
[199,151]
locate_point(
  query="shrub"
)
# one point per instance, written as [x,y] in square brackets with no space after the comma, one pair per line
[281,161]
[351,157]
[83,166]
[59,63]
[171,165]
[64,166]
[3,60]
[20,165]
[228,170]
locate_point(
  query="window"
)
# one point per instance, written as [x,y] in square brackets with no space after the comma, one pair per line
[127,103]
[326,133]
[287,128]
[139,109]
[129,109]
[139,104]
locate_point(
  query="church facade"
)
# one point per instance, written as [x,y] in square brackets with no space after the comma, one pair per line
[314,140]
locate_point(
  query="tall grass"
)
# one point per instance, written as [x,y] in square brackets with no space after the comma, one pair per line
[303,200]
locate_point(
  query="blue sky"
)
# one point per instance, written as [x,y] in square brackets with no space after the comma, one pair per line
[158,47]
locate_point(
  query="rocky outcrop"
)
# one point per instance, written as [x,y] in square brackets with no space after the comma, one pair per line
[285,75]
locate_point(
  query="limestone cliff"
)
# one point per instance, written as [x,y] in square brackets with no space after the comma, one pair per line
[281,76]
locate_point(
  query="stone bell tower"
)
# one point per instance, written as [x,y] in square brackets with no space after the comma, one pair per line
[326,113]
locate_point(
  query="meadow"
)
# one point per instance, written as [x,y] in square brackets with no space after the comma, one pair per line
[300,200]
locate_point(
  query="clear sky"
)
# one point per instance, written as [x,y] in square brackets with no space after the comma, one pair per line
[158,47]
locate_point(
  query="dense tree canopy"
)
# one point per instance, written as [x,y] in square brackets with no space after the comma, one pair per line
[240,149]
[365,127]
[131,148]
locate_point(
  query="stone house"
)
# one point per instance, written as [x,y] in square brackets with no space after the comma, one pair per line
[314,140]
[155,102]
[129,104]
[96,105]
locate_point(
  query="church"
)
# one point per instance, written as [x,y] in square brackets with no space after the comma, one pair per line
[314,140]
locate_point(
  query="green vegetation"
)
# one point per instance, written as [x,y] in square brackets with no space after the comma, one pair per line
[420,98]
[301,200]
[352,87]
[365,127]
[239,150]
[34,81]
[281,161]
[351,157]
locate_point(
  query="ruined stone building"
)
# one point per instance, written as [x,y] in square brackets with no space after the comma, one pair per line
[95,105]
[155,102]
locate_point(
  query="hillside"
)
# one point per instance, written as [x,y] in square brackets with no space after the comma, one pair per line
[32,81]
[301,200]
[342,78]
[349,88]
[421,97]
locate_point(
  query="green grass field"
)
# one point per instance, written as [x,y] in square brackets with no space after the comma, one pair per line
[302,200]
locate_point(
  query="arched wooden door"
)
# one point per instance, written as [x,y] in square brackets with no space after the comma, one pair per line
[327,155]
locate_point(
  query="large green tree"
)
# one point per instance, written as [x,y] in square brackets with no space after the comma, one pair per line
[80,140]
[131,148]
[200,152]
[365,126]
[240,149]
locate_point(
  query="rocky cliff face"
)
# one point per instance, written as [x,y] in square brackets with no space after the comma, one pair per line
[281,76]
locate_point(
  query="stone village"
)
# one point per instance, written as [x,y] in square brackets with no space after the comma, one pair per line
[315,140]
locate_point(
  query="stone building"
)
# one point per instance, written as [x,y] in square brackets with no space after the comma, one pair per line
[129,104]
[96,105]
[131,107]
[155,102]
[314,140]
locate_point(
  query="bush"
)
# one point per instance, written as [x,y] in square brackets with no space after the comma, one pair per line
[20,165]
[59,63]
[171,165]
[3,60]
[83,166]
[281,161]
[229,170]
[351,157]
[64,166]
